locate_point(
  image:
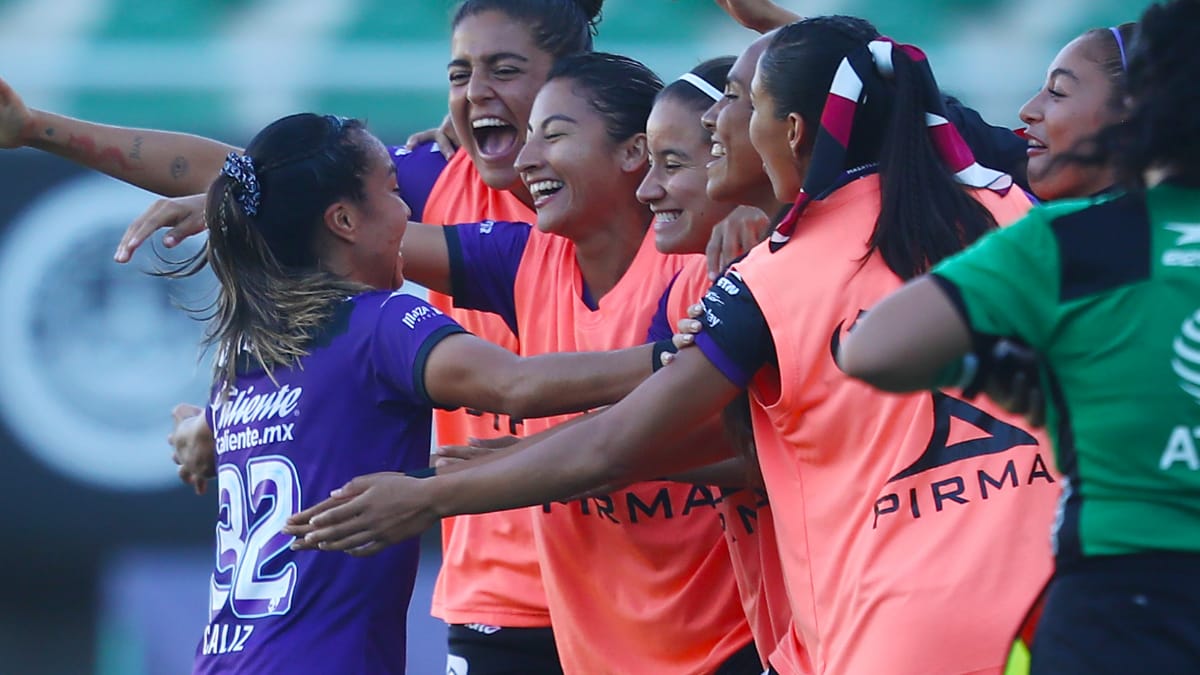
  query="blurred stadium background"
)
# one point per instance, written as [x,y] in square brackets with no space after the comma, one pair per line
[107,557]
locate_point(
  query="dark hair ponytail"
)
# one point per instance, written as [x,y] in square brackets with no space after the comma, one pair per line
[925,215]
[1162,128]
[558,27]
[797,70]
[263,213]
[621,89]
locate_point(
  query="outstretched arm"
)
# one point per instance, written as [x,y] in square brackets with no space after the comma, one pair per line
[465,370]
[916,338]
[638,438]
[758,15]
[705,445]
[731,472]
[170,164]
[425,258]
[908,340]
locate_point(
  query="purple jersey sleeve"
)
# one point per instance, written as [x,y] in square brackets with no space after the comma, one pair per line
[416,172]
[735,335]
[484,258]
[660,325]
[408,330]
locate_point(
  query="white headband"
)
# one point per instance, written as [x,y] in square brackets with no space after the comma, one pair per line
[699,83]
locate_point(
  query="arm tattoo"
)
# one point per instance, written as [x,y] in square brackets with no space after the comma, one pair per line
[179,167]
[136,152]
[86,147]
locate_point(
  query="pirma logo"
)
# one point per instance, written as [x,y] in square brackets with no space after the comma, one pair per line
[1186,363]
[987,436]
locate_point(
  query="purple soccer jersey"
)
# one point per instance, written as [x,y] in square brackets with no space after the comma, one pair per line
[484,259]
[356,406]
[417,171]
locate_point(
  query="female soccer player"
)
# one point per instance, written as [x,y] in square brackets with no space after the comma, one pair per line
[738,169]
[906,523]
[321,375]
[735,171]
[675,188]
[589,278]
[489,588]
[1106,290]
[1084,92]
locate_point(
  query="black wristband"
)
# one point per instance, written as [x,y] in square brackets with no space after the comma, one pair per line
[661,347]
[427,472]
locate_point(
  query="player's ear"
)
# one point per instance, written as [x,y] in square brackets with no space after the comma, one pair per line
[341,221]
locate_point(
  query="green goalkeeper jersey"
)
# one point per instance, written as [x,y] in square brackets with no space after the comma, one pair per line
[1108,292]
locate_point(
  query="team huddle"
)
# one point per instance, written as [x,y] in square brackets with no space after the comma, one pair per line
[819,448]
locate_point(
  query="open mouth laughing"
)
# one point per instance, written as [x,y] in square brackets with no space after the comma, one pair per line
[494,136]
[543,191]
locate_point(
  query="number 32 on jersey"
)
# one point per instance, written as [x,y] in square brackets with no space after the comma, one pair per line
[252,509]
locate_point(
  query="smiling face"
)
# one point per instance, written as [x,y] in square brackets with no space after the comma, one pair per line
[572,168]
[495,72]
[1074,104]
[735,173]
[675,186]
[778,142]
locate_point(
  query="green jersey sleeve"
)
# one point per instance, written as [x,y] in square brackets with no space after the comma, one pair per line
[1008,281]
